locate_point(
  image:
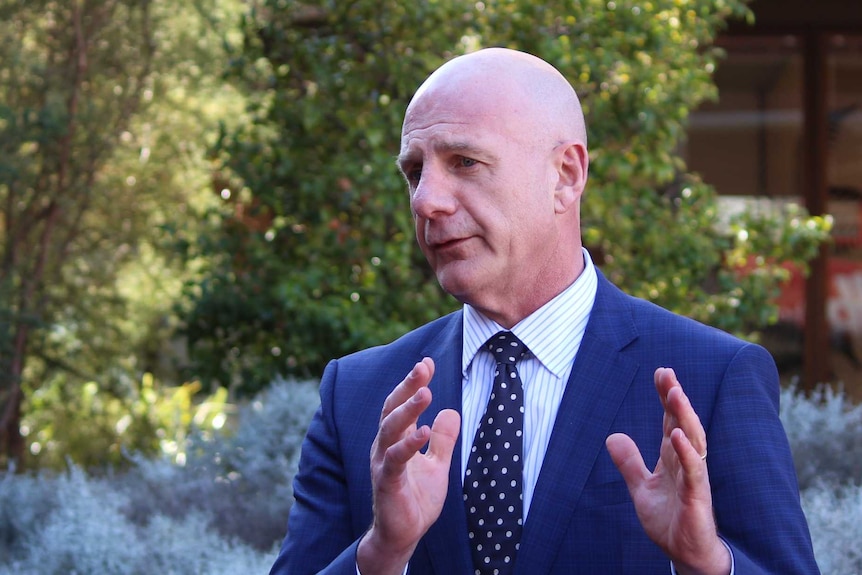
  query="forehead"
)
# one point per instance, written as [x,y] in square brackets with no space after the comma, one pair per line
[442,120]
[475,139]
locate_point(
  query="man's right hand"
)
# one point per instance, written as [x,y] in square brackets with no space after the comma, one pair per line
[409,486]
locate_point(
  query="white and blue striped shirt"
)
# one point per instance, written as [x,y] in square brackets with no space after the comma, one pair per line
[553,334]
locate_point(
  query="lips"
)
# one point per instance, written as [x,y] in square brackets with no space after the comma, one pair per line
[447,243]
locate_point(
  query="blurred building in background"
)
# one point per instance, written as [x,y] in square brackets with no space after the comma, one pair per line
[788,128]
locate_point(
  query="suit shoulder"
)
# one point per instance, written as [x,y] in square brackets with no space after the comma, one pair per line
[411,344]
[654,323]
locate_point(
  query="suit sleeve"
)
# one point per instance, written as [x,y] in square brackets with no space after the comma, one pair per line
[320,537]
[755,491]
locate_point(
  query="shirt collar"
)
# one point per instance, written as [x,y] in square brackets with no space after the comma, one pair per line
[556,326]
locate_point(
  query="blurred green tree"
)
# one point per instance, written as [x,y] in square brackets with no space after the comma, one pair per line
[312,255]
[108,112]
[72,75]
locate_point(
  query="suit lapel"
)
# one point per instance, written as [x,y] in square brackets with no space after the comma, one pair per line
[446,540]
[601,376]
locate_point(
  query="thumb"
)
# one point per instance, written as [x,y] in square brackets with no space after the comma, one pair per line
[627,457]
[444,434]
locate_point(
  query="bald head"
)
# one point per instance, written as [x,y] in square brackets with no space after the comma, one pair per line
[518,83]
[493,149]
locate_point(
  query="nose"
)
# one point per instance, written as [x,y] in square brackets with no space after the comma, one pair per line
[434,195]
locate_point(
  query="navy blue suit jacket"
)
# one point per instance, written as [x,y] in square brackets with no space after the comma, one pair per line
[582,520]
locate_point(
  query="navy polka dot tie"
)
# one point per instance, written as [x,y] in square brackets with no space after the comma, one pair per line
[492,482]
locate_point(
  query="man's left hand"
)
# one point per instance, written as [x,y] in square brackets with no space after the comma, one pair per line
[674,502]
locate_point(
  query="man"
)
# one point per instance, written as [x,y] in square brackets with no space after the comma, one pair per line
[494,152]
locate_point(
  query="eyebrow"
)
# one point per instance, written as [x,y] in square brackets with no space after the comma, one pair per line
[458,147]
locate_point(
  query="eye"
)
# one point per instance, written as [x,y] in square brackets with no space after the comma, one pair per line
[412,175]
[465,162]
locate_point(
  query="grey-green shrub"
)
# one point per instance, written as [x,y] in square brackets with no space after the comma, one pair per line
[241,481]
[835,518]
[88,533]
[225,510]
[26,502]
[825,434]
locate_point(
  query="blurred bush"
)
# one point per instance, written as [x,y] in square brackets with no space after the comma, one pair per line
[312,256]
[825,433]
[223,508]
[241,481]
[92,427]
[835,519]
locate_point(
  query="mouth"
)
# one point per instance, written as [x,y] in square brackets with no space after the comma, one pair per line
[449,244]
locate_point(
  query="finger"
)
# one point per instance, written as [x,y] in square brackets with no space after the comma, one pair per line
[441,438]
[687,419]
[444,434]
[418,377]
[397,455]
[693,466]
[668,423]
[665,380]
[627,457]
[400,423]
[678,409]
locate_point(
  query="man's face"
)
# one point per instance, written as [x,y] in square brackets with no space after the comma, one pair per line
[482,194]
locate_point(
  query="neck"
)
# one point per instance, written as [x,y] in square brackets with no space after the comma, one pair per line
[522,301]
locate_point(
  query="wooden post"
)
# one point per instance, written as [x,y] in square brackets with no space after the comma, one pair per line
[816,360]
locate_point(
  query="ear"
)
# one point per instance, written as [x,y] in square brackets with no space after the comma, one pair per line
[572,163]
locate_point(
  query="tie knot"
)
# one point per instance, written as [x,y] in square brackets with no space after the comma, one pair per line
[506,347]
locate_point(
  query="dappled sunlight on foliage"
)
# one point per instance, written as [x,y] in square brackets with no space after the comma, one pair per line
[93,429]
[108,111]
[312,255]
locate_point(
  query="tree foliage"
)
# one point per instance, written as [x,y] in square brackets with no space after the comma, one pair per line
[313,249]
[72,74]
[104,112]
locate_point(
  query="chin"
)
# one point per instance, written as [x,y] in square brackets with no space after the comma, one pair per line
[459,284]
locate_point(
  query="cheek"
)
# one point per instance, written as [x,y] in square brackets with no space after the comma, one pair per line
[533,229]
